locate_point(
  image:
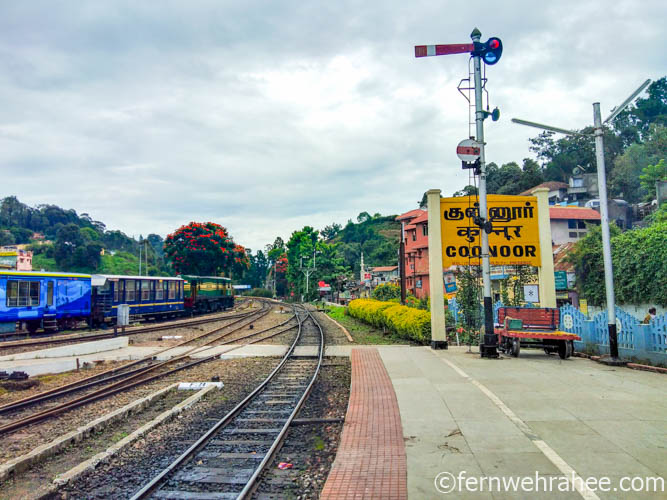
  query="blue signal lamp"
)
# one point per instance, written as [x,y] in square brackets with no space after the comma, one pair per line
[490,51]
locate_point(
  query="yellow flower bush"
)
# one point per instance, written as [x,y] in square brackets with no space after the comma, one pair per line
[406,322]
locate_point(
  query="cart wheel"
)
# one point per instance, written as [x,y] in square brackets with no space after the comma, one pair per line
[563,349]
[548,351]
[516,347]
[570,348]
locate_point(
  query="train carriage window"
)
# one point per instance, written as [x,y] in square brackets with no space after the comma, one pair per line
[129,290]
[180,290]
[159,291]
[34,293]
[171,290]
[12,293]
[145,290]
[166,289]
[49,293]
[22,293]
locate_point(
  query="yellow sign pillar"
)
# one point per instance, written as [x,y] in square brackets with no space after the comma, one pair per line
[436,284]
[545,273]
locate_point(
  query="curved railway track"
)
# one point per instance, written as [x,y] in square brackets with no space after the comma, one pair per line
[228,459]
[135,373]
[128,331]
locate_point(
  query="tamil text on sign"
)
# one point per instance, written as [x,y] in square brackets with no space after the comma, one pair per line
[514,237]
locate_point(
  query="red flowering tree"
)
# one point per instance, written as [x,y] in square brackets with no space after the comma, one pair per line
[205,249]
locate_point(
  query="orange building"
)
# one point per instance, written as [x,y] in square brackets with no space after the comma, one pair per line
[415,231]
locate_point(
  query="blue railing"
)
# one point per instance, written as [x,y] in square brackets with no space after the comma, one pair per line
[636,341]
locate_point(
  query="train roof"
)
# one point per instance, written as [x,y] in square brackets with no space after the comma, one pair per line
[192,276]
[44,274]
[100,279]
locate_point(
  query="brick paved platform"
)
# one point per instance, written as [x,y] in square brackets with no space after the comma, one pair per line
[371,460]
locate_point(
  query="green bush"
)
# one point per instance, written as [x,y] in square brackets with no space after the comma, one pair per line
[387,292]
[406,322]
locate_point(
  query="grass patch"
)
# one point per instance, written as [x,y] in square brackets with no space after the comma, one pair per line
[361,332]
[118,436]
[318,443]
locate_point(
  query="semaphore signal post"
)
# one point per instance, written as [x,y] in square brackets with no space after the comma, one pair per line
[490,53]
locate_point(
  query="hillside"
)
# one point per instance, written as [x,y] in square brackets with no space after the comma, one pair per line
[63,240]
[376,235]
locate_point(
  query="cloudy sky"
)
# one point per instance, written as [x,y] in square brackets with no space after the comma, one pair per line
[265,116]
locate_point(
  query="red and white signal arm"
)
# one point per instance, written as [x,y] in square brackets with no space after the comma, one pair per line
[468,150]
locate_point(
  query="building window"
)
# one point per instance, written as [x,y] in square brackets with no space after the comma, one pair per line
[573,234]
[581,224]
[571,224]
[425,229]
[577,182]
[22,293]
[414,235]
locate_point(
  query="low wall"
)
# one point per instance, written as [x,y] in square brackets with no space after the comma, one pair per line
[636,341]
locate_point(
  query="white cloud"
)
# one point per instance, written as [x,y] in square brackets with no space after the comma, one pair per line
[267,116]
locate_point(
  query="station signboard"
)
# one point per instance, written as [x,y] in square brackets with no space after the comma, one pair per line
[513,232]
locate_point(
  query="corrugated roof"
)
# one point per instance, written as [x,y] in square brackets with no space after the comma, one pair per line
[384,269]
[580,213]
[561,253]
[411,214]
[550,185]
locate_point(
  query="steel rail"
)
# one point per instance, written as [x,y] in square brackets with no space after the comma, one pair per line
[132,331]
[158,480]
[253,482]
[115,372]
[127,383]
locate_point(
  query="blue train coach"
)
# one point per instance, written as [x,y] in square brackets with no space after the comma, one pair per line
[48,300]
[147,296]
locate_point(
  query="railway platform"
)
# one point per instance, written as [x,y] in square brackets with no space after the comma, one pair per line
[562,421]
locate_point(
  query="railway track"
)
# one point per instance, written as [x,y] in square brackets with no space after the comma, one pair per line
[128,331]
[133,374]
[228,459]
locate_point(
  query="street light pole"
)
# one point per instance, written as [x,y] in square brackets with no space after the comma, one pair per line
[613,358]
[489,349]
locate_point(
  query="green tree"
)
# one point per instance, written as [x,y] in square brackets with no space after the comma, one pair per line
[634,123]
[652,174]
[639,260]
[329,232]
[205,249]
[68,240]
[624,178]
[467,191]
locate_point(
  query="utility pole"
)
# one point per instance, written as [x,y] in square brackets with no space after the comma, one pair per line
[598,132]
[140,258]
[307,271]
[401,262]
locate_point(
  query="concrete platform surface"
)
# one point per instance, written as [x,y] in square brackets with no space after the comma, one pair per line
[467,417]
